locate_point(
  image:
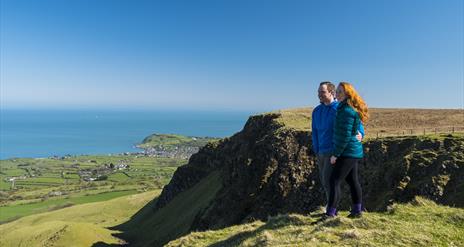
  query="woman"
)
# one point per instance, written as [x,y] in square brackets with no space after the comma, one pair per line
[348,151]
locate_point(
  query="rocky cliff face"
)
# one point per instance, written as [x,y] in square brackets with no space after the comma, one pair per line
[268,168]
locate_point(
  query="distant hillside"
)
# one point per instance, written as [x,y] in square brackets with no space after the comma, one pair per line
[268,169]
[172,141]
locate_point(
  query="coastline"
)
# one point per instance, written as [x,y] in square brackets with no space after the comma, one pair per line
[46,133]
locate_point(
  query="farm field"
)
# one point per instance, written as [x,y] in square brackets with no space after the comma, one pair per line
[29,186]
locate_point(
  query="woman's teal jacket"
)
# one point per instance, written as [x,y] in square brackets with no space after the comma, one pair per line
[346,127]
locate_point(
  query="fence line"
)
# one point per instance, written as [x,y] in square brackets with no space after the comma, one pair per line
[416,131]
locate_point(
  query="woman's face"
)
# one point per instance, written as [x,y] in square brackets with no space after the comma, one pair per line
[340,94]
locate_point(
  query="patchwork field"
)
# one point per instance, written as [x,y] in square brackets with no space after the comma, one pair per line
[30,186]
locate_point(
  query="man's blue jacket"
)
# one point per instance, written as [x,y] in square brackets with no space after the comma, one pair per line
[323,119]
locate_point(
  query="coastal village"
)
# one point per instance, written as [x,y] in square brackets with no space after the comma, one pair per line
[173,146]
[175,152]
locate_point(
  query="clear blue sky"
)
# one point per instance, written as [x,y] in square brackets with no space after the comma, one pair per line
[238,55]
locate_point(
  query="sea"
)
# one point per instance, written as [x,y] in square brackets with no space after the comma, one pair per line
[47,133]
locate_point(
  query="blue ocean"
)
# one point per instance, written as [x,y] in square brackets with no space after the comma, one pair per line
[44,133]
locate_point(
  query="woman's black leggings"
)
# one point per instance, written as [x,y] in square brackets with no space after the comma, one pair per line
[345,168]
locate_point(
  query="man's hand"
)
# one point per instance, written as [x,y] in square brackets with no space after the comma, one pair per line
[333,160]
[359,137]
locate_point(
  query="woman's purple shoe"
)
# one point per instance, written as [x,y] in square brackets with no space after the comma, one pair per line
[331,212]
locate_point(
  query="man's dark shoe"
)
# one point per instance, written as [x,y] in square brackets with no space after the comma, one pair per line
[323,218]
[353,215]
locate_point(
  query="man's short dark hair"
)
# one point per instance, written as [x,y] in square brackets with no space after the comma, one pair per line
[330,86]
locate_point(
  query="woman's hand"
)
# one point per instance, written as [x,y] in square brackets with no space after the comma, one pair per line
[333,160]
[359,137]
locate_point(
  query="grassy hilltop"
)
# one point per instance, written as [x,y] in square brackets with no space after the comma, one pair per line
[420,223]
[388,121]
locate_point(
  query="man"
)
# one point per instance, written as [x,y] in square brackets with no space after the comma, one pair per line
[323,118]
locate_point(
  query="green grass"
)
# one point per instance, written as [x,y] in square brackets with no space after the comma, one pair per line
[118,177]
[81,225]
[7,213]
[422,223]
[4,185]
[43,179]
[298,119]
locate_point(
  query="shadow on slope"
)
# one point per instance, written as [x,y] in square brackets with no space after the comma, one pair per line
[149,227]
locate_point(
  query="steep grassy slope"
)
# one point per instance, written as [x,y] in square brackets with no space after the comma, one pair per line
[81,225]
[421,223]
[148,228]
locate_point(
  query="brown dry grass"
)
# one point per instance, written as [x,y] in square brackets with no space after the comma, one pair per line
[390,120]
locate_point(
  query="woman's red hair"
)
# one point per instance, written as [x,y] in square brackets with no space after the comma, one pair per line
[354,100]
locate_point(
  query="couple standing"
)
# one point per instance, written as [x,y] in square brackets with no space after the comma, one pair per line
[337,131]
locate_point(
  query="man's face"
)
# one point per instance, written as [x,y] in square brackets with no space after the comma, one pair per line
[324,95]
